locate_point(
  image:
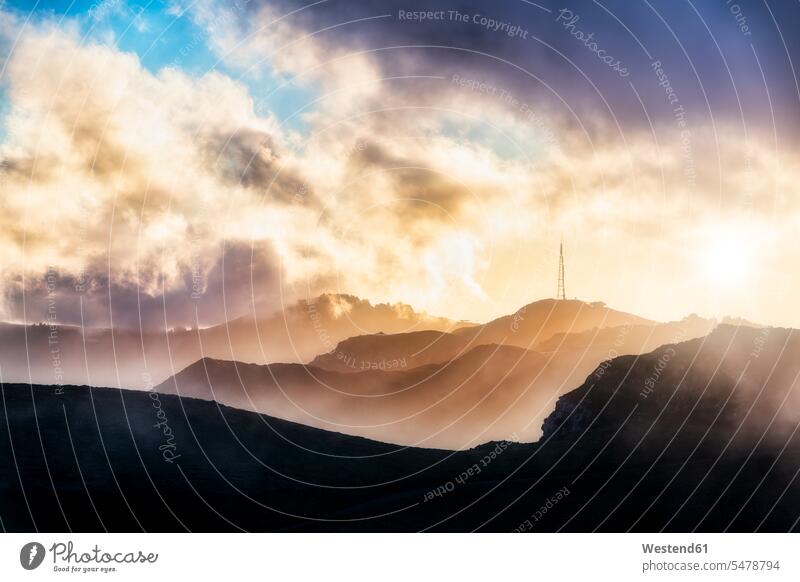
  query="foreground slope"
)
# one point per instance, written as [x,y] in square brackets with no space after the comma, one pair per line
[123,460]
[695,436]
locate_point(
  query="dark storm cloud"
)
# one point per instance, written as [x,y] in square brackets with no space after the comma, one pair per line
[711,54]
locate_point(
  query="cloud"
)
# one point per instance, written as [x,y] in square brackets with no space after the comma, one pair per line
[110,169]
[442,192]
[240,280]
[712,64]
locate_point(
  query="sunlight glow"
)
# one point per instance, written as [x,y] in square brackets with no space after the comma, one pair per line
[727,257]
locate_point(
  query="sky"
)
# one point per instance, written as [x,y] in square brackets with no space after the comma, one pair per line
[181,162]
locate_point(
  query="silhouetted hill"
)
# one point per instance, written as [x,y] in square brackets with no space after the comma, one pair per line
[45,354]
[734,378]
[308,328]
[538,321]
[397,351]
[700,434]
[489,393]
[302,332]
[628,339]
[408,350]
[105,453]
[428,387]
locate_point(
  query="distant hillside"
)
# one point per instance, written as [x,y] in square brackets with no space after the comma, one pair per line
[128,358]
[489,393]
[306,331]
[397,351]
[308,328]
[627,339]
[538,321]
[408,350]
[429,388]
[588,347]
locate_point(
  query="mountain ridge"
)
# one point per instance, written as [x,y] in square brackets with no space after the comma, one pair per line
[440,405]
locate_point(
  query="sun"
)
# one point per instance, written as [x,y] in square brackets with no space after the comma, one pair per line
[726,258]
